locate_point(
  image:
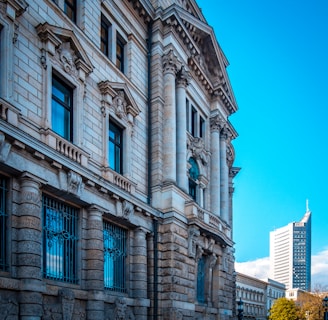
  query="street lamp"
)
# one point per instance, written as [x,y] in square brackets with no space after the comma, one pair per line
[240,309]
[325,308]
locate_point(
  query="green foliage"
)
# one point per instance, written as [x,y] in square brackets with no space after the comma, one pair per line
[284,309]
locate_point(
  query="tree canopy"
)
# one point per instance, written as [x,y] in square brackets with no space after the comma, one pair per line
[283,309]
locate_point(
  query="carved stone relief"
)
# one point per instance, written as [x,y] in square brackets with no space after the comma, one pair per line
[8,307]
[67,300]
[74,183]
[119,311]
[4,148]
[67,57]
[193,233]
[197,148]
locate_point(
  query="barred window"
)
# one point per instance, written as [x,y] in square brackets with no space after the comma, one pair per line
[3,226]
[60,224]
[115,239]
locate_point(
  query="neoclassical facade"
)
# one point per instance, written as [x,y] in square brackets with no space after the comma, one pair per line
[116,162]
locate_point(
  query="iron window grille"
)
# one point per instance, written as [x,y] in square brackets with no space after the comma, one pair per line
[115,253]
[60,225]
[3,226]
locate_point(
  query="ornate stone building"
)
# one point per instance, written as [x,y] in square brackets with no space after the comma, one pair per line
[116,162]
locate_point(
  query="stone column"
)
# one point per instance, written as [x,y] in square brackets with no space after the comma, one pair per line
[29,248]
[169,117]
[183,78]
[95,264]
[224,174]
[139,271]
[215,123]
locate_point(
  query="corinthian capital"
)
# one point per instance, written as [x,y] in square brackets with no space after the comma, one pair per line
[183,77]
[216,123]
[170,62]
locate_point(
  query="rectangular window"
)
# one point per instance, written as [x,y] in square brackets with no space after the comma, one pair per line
[104,35]
[115,242]
[201,276]
[62,109]
[115,147]
[120,52]
[201,127]
[3,226]
[70,9]
[187,115]
[193,121]
[60,226]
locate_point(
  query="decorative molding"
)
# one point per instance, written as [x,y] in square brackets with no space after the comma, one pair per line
[67,300]
[4,148]
[121,311]
[197,147]
[216,123]
[183,77]
[118,97]
[170,62]
[193,234]
[64,45]
[74,183]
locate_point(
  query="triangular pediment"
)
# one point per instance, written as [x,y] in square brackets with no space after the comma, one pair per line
[55,37]
[121,98]
[206,59]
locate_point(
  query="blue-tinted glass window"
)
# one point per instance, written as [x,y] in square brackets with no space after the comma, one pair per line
[60,230]
[115,147]
[115,242]
[62,109]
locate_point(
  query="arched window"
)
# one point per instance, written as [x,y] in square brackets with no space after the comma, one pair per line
[193,178]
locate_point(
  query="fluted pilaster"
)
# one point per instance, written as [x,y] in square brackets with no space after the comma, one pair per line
[183,78]
[169,118]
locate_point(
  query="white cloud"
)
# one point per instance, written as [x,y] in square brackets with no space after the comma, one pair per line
[260,268]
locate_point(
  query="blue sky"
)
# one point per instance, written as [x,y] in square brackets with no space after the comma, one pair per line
[278,54]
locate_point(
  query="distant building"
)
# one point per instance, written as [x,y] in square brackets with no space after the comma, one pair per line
[252,292]
[275,290]
[290,253]
[257,295]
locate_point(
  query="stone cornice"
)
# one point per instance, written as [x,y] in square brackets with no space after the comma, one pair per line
[208,68]
[143,8]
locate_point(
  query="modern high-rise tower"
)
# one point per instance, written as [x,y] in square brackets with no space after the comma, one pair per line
[290,253]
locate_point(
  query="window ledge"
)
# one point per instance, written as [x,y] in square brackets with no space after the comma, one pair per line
[119,180]
[65,147]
